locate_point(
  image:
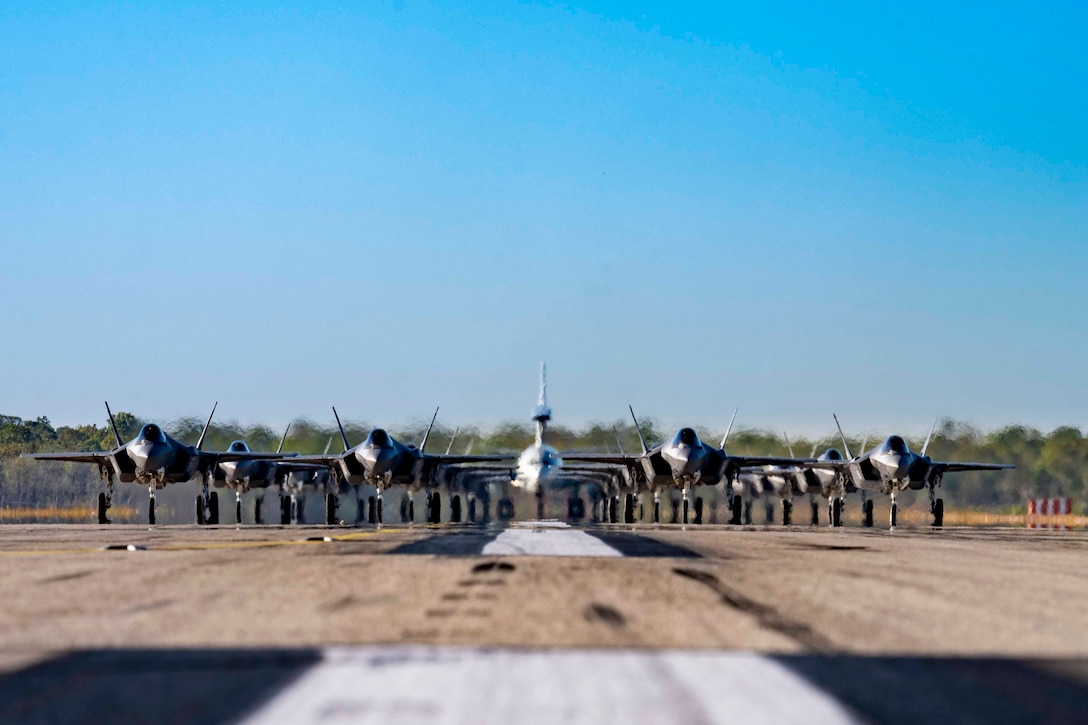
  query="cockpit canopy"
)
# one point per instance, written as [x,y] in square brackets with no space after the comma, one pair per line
[238,447]
[895,444]
[151,433]
[832,454]
[687,437]
[378,438]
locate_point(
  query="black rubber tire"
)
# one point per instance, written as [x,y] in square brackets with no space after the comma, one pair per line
[657,512]
[102,508]
[613,509]
[815,514]
[199,510]
[836,511]
[735,514]
[540,505]
[150,512]
[867,514]
[371,511]
[455,509]
[330,509]
[505,509]
[404,510]
[411,510]
[641,511]
[285,510]
[213,508]
[380,509]
[238,511]
[698,510]
[436,508]
[258,519]
[472,511]
[629,509]
[787,512]
[895,515]
[938,512]
[685,506]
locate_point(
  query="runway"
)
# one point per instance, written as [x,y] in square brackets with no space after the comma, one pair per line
[541,622]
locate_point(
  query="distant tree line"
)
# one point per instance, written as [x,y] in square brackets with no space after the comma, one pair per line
[1047,464]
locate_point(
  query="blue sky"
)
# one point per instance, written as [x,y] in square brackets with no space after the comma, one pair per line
[793,208]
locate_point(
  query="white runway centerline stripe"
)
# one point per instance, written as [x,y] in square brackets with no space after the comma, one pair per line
[547,538]
[462,685]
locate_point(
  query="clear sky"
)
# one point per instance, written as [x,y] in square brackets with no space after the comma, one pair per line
[874,208]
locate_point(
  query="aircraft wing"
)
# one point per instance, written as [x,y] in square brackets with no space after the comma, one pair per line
[210,458]
[952,467]
[91,457]
[750,461]
[614,459]
[447,460]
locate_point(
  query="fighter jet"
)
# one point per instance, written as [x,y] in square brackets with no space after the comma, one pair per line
[680,463]
[540,469]
[786,481]
[382,461]
[156,459]
[890,468]
[245,475]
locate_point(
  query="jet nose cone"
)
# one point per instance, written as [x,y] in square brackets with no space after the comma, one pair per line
[684,459]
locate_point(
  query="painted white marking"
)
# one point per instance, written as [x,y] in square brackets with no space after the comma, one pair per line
[547,541]
[455,685]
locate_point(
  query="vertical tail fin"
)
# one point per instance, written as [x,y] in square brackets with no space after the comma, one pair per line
[423,443]
[340,425]
[328,445]
[638,430]
[845,445]
[203,433]
[925,446]
[452,439]
[618,441]
[729,429]
[279,448]
[789,446]
[542,414]
[116,432]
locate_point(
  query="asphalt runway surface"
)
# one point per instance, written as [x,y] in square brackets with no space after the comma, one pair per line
[541,622]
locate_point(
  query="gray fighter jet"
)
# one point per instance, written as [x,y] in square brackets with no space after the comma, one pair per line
[786,481]
[248,474]
[382,461]
[155,459]
[680,463]
[891,468]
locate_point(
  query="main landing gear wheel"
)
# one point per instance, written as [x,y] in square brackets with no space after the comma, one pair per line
[411,510]
[436,508]
[938,512]
[787,510]
[836,511]
[699,511]
[505,510]
[472,510]
[629,509]
[257,518]
[200,521]
[330,509]
[815,514]
[576,509]
[285,510]
[867,514]
[657,512]
[613,509]
[540,505]
[102,507]
[150,512]
[455,509]
[213,508]
[735,513]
